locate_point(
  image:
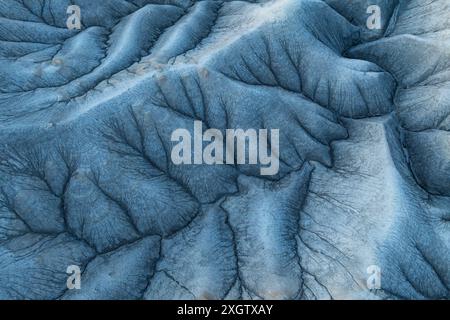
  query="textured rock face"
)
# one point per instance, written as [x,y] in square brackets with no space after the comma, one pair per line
[86,177]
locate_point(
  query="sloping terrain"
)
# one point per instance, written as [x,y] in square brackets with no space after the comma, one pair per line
[86,177]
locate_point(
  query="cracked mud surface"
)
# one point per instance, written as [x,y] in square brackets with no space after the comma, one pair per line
[85,171]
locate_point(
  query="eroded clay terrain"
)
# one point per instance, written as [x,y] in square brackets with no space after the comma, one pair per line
[86,177]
